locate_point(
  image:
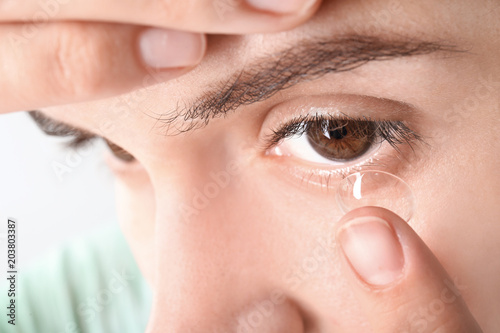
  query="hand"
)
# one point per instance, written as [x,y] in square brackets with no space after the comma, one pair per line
[400,284]
[78,50]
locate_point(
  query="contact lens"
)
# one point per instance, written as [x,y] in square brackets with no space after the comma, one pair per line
[376,188]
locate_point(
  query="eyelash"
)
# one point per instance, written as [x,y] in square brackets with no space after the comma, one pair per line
[78,138]
[78,141]
[395,133]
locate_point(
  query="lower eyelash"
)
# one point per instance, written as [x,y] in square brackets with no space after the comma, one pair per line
[324,178]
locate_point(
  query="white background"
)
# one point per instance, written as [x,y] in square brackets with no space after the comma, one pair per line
[50,209]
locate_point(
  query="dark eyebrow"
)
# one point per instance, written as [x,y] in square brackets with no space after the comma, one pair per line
[309,60]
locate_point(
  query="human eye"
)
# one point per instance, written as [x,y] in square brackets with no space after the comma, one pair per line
[336,141]
[78,138]
[327,143]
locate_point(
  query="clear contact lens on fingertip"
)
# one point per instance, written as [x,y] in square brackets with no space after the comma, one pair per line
[376,188]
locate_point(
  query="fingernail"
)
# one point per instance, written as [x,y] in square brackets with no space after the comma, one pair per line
[373,250]
[282,6]
[162,48]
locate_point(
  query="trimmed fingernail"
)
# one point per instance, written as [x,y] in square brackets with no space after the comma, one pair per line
[373,250]
[162,48]
[282,6]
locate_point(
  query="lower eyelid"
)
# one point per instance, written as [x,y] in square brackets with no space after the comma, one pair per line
[385,158]
[281,150]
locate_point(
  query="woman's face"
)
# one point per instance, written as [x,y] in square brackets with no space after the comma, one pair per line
[232,225]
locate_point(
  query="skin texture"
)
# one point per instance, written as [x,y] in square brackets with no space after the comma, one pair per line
[270,228]
[86,51]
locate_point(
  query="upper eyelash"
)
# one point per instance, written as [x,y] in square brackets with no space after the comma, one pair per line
[394,132]
[78,138]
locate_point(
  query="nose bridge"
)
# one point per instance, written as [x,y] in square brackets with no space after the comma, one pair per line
[209,258]
[197,271]
[200,256]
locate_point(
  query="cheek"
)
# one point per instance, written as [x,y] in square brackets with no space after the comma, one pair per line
[458,212]
[249,234]
[300,249]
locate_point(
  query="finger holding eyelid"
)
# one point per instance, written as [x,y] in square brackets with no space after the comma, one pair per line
[206,16]
[74,62]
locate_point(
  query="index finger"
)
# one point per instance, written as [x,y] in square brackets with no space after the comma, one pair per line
[210,16]
[397,279]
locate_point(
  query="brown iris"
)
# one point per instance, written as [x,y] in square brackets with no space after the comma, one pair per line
[340,140]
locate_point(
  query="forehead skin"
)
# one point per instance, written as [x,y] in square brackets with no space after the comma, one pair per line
[254,232]
[450,22]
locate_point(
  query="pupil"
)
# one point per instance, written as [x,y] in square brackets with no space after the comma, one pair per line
[339,133]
